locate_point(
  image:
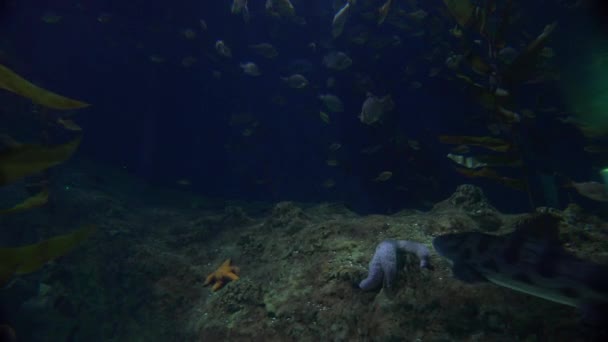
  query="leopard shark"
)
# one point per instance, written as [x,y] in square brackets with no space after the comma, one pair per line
[530,260]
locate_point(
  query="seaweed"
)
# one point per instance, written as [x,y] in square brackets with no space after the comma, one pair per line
[18,161]
[491,143]
[461,10]
[12,82]
[30,258]
[25,160]
[31,202]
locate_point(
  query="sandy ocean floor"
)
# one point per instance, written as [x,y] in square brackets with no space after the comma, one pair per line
[140,276]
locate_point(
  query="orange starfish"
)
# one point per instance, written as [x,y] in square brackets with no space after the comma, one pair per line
[225,273]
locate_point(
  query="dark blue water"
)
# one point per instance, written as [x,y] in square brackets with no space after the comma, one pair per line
[164,122]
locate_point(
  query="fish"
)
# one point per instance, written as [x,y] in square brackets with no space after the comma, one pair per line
[241,118]
[188,33]
[184,182]
[51,18]
[418,15]
[592,190]
[332,103]
[240,7]
[264,49]
[453,61]
[374,108]
[383,176]
[507,115]
[280,8]
[456,32]
[332,162]
[188,61]
[335,146]
[337,24]
[156,59]
[507,54]
[337,60]
[222,49]
[324,117]
[295,81]
[250,69]
[466,161]
[371,149]
[104,18]
[329,183]
[529,260]
[383,11]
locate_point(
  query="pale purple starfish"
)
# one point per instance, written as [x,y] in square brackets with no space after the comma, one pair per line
[384,265]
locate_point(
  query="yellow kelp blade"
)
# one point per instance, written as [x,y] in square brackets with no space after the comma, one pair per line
[35,201]
[465,78]
[7,271]
[505,22]
[69,125]
[502,160]
[461,10]
[27,259]
[478,65]
[516,184]
[490,143]
[479,161]
[10,81]
[24,160]
[524,65]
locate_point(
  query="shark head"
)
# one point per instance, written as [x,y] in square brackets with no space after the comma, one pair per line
[529,260]
[469,254]
[458,246]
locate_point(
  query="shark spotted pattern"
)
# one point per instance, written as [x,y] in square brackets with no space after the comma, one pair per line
[529,260]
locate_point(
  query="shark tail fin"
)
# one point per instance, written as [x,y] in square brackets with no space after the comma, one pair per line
[594,321]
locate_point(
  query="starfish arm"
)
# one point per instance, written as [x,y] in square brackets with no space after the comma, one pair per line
[384,265]
[218,285]
[210,279]
[231,276]
[388,252]
[375,275]
[222,275]
[373,280]
[226,263]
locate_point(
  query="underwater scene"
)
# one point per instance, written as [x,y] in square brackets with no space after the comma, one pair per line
[304,170]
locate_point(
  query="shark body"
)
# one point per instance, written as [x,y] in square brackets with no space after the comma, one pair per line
[529,260]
